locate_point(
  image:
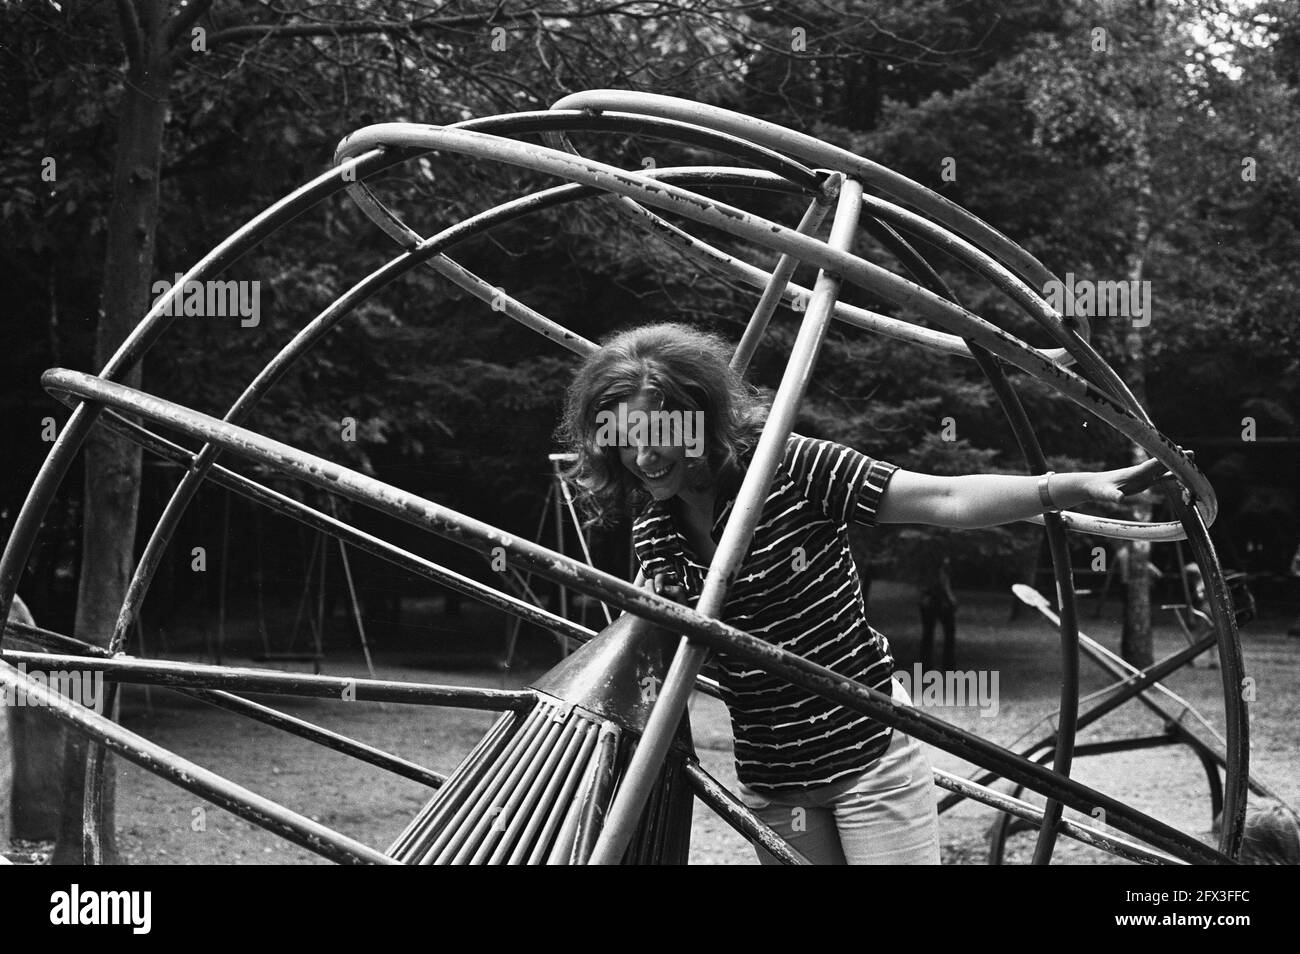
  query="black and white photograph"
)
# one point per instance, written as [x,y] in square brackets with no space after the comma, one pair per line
[651,432]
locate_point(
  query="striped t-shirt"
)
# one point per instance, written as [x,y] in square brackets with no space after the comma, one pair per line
[797,588]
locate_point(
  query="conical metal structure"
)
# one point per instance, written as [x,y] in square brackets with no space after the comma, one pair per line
[536,788]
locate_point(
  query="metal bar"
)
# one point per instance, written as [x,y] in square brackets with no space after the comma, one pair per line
[357,538]
[671,616]
[1232,669]
[162,672]
[418,251]
[600,762]
[564,801]
[789,141]
[356,606]
[738,815]
[577,529]
[375,546]
[812,219]
[596,803]
[537,814]
[1022,809]
[673,696]
[526,815]
[1117,666]
[221,792]
[1067,623]
[1131,688]
[494,822]
[851,268]
[494,819]
[449,797]
[816,153]
[1126,745]
[552,121]
[478,799]
[262,713]
[46,639]
[74,433]
[557,515]
[320,735]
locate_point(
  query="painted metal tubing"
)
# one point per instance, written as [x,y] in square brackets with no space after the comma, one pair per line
[755,328]
[163,672]
[305,514]
[1232,668]
[851,268]
[320,735]
[1138,683]
[193,778]
[673,696]
[903,331]
[1132,687]
[47,639]
[429,251]
[406,847]
[739,815]
[797,176]
[550,122]
[1019,808]
[816,153]
[670,615]
[1236,757]
[891,327]
[730,267]
[1067,623]
[1026,298]
[325,523]
[75,431]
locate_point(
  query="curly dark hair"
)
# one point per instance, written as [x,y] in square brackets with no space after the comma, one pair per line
[690,369]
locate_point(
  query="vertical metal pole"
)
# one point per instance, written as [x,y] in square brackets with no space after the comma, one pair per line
[225,563]
[356,608]
[318,631]
[559,533]
[630,801]
[785,266]
[577,527]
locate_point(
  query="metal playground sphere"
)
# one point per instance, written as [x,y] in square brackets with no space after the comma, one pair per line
[580,768]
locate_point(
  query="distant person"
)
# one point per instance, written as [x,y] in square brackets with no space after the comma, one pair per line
[1198,622]
[1122,559]
[937,604]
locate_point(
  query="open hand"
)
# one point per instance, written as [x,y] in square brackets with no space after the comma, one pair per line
[1112,486]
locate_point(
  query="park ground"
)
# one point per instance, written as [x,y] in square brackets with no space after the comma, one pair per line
[161,824]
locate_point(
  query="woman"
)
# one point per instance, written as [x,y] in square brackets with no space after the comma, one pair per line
[663,429]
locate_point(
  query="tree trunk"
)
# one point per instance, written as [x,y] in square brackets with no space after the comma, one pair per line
[112,463]
[1135,642]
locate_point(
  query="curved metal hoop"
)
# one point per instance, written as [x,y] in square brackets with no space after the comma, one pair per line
[779,155]
[674,617]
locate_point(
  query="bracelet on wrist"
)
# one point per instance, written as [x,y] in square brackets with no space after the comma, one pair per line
[1045,492]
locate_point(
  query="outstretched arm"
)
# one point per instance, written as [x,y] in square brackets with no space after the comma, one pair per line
[987,500]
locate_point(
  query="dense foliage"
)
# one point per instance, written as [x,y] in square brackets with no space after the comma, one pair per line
[1061,145]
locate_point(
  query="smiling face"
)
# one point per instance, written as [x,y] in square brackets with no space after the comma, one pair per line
[661,468]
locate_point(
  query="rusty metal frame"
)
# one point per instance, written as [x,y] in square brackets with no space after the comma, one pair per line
[483,538]
[778,151]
